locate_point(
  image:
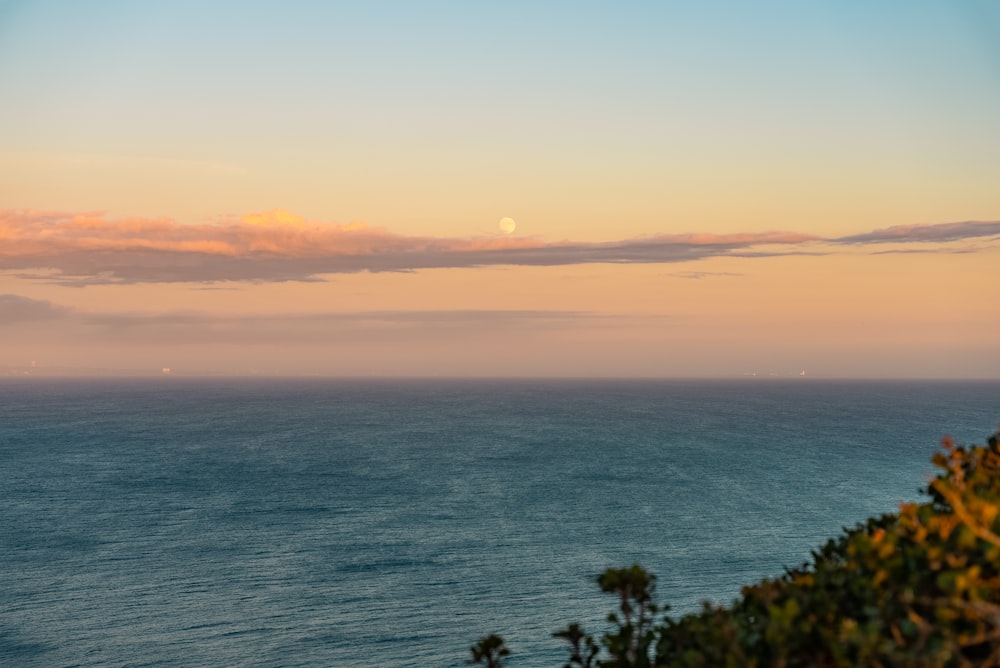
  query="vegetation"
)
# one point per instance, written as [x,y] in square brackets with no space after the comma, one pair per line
[918,588]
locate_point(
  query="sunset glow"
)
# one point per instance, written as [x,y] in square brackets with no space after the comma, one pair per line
[708,190]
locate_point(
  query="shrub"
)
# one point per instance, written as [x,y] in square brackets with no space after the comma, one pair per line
[918,588]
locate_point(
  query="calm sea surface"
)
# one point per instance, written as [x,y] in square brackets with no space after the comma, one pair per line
[170,522]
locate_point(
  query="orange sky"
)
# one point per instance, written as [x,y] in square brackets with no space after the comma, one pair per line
[697,192]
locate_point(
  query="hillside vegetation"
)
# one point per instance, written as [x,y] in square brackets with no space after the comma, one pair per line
[918,588]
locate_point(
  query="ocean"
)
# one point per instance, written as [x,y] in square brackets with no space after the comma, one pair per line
[389,523]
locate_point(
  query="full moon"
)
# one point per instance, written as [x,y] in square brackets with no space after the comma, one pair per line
[507,225]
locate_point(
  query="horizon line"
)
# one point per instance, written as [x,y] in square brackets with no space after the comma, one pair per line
[38,372]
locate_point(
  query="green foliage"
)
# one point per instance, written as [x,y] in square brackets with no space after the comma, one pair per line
[919,588]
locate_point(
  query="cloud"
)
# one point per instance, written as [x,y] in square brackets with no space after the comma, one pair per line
[309,328]
[87,249]
[936,250]
[274,246]
[940,233]
[14,309]
[703,274]
[493,318]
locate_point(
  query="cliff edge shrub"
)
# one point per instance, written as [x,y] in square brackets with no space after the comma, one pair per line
[919,588]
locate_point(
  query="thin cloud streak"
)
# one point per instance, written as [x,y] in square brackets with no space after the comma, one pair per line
[353,318]
[276,246]
[17,309]
[697,275]
[194,327]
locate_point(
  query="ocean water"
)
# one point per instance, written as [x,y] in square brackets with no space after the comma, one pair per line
[171,522]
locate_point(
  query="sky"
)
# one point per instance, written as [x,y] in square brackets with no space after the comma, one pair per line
[699,189]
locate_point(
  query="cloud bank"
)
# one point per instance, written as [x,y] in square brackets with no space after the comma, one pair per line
[87,248]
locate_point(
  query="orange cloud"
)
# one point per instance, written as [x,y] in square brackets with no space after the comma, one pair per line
[87,248]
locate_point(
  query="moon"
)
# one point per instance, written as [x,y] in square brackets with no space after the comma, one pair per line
[507,225]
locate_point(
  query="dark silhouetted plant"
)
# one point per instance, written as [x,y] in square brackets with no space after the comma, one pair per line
[489,650]
[583,649]
[919,588]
